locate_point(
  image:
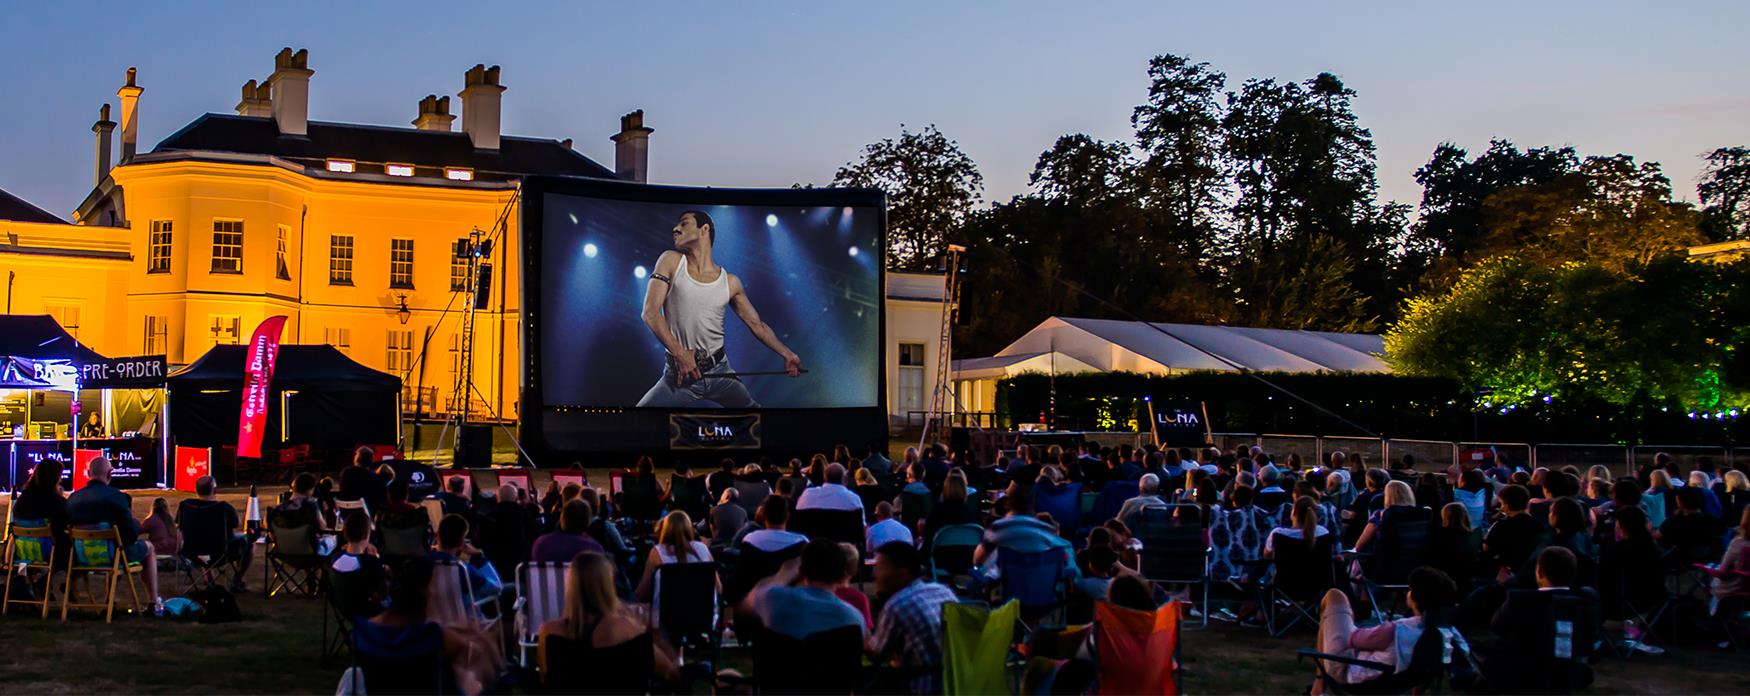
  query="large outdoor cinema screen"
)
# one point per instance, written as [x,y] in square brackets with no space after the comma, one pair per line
[655,299]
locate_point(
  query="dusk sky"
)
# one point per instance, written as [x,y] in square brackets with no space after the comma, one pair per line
[773,93]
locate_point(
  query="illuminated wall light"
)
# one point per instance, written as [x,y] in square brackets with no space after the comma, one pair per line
[398,169]
[343,166]
[458,174]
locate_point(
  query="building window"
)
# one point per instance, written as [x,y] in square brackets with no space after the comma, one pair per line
[225,328]
[400,351]
[911,377]
[401,263]
[340,337]
[279,253]
[157,336]
[398,169]
[158,247]
[227,246]
[459,266]
[343,166]
[340,259]
[66,315]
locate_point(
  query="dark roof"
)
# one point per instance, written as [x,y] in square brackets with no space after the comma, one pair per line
[20,210]
[516,156]
[40,337]
[298,367]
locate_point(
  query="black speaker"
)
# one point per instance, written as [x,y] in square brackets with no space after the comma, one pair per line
[483,289]
[474,447]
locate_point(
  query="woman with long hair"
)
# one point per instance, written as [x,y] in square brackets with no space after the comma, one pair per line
[1455,544]
[1400,503]
[1734,492]
[675,543]
[595,620]
[1305,529]
[43,502]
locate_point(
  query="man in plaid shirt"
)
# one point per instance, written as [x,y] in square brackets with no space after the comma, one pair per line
[910,628]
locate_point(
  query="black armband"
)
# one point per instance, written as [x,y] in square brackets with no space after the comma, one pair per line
[661,277]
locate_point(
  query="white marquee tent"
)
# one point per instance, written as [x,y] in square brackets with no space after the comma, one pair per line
[1067,345]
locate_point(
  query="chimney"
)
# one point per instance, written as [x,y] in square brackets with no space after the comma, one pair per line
[130,97]
[102,128]
[257,99]
[632,148]
[289,89]
[434,114]
[481,98]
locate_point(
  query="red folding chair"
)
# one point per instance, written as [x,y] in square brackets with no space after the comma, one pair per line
[521,478]
[1138,651]
[566,477]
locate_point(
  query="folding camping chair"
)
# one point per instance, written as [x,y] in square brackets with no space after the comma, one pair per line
[434,511]
[452,601]
[1303,574]
[207,546]
[1034,579]
[294,563]
[521,478]
[405,535]
[825,662]
[542,600]
[686,606]
[342,507]
[1385,571]
[99,552]
[975,647]
[1138,651]
[30,548]
[566,477]
[345,595]
[838,525]
[1063,502]
[1173,549]
[951,552]
[915,506]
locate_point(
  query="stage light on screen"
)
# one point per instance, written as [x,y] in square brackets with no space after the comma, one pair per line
[853,252]
[639,272]
[573,217]
[771,220]
[589,250]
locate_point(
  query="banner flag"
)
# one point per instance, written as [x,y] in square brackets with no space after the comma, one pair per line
[264,348]
[191,464]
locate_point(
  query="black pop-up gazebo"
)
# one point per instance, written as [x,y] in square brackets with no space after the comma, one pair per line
[319,398]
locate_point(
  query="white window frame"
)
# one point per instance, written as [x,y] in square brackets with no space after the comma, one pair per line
[401,264]
[224,260]
[159,246]
[340,264]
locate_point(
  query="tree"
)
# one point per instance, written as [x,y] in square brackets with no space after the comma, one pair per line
[1179,132]
[1454,189]
[1610,211]
[931,185]
[1725,194]
[1081,171]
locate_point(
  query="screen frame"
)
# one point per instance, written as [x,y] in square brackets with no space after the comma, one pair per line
[532,418]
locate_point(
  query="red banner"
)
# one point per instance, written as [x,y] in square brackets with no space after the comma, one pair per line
[191,464]
[264,348]
[81,459]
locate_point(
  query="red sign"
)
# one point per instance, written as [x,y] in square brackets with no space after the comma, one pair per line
[264,349]
[82,458]
[191,464]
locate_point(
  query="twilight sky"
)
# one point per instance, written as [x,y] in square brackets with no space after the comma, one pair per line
[772,93]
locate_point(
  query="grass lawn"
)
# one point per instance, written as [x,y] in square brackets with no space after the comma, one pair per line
[276,650]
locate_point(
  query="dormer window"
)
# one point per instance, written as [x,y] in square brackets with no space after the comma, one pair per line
[398,169]
[342,166]
[458,174]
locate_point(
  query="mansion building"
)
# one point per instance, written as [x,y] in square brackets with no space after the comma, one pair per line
[348,230]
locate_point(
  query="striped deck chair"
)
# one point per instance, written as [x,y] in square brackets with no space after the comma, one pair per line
[451,601]
[98,551]
[542,600]
[30,544]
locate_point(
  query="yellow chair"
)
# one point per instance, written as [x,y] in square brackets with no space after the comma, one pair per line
[29,547]
[99,552]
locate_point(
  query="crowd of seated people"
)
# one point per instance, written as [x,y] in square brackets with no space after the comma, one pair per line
[1489,531]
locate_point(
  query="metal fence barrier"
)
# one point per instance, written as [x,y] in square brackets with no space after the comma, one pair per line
[1686,456]
[1583,455]
[1431,455]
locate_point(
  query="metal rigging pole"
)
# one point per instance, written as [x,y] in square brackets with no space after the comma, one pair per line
[942,401]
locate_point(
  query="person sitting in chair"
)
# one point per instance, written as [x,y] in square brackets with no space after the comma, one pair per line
[100,503]
[1519,622]
[1431,595]
[206,508]
[452,545]
[570,539]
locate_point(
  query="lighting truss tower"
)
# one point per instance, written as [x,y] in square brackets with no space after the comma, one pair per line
[942,401]
[475,250]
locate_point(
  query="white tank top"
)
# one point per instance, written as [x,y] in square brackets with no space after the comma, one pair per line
[695,310]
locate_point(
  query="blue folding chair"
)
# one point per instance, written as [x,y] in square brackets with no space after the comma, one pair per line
[1034,579]
[951,551]
[1063,502]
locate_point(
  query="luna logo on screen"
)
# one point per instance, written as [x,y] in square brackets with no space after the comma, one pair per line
[695,304]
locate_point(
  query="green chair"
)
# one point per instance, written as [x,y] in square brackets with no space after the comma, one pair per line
[976,647]
[30,546]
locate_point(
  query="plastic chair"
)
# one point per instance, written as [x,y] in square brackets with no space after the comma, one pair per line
[542,600]
[30,546]
[975,647]
[294,564]
[1138,651]
[99,552]
[951,550]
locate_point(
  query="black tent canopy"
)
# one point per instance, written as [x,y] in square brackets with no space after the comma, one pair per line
[40,337]
[333,401]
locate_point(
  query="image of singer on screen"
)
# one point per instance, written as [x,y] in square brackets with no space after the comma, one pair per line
[683,307]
